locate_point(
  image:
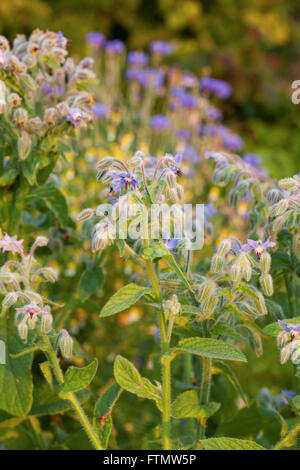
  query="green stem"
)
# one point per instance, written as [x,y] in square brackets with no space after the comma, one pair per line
[205,393]
[90,431]
[165,364]
[289,289]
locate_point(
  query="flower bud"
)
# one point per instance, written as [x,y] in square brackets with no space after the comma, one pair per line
[50,274]
[2,97]
[65,343]
[209,306]
[206,290]
[173,195]
[135,162]
[172,306]
[85,214]
[285,353]
[287,183]
[265,262]
[27,82]
[10,299]
[282,339]
[246,268]
[217,263]
[23,331]
[24,145]
[279,208]
[105,163]
[274,195]
[62,109]
[236,273]
[295,352]
[31,322]
[266,283]
[180,191]
[224,247]
[171,179]
[41,241]
[46,322]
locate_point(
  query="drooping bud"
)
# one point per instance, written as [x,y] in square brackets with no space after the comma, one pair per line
[217,263]
[46,322]
[295,352]
[173,195]
[288,183]
[180,191]
[206,290]
[135,162]
[50,274]
[170,179]
[24,145]
[65,343]
[23,331]
[10,299]
[266,283]
[209,306]
[105,163]
[265,262]
[41,241]
[274,195]
[285,353]
[282,339]
[236,273]
[279,208]
[85,214]
[2,97]
[245,267]
[224,247]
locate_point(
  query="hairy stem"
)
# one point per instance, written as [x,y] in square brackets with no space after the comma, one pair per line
[90,431]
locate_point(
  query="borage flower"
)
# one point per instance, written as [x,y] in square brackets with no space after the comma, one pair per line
[76,116]
[294,330]
[160,47]
[8,243]
[123,181]
[30,309]
[258,246]
[219,87]
[95,39]
[171,243]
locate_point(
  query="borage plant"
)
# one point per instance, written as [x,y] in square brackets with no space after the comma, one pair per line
[207,312]
[27,333]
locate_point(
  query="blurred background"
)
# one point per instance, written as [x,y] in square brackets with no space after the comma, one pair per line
[253,45]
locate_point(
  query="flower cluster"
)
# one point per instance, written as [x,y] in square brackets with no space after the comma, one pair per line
[289,343]
[19,282]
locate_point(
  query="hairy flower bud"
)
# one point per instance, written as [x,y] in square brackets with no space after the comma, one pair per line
[10,299]
[206,290]
[171,179]
[105,163]
[217,263]
[23,331]
[173,195]
[266,283]
[24,145]
[180,191]
[41,241]
[135,162]
[65,343]
[279,208]
[209,306]
[274,195]
[2,97]
[50,274]
[224,247]
[85,214]
[288,183]
[285,353]
[172,306]
[265,262]
[282,339]
[295,352]
[236,273]
[46,322]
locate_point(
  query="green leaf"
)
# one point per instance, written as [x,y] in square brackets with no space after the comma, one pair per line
[222,329]
[107,400]
[227,443]
[129,378]
[47,372]
[123,299]
[53,198]
[207,347]
[90,281]
[77,378]
[296,402]
[16,384]
[274,328]
[8,176]
[156,250]
[219,367]
[187,405]
[46,400]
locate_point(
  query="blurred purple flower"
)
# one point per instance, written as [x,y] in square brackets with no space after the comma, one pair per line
[171,243]
[99,110]
[252,159]
[137,58]
[219,87]
[47,89]
[159,122]
[209,211]
[76,116]
[185,98]
[95,39]
[183,134]
[160,47]
[115,46]
[213,113]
